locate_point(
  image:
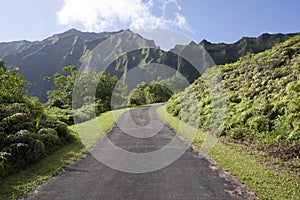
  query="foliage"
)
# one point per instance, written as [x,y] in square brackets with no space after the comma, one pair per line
[175,83]
[93,96]
[21,184]
[107,87]
[21,122]
[137,96]
[245,163]
[152,93]
[262,99]
[11,84]
[61,97]
[156,93]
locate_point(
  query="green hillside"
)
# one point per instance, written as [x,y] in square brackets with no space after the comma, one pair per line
[259,95]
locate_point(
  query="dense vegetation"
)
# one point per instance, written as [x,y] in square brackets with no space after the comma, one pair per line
[260,95]
[26,133]
[61,100]
[149,93]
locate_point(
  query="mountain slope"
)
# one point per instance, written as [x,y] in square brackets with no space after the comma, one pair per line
[44,58]
[260,95]
[47,57]
[223,53]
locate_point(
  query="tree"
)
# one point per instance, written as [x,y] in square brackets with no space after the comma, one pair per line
[94,93]
[12,85]
[152,93]
[61,97]
[137,96]
[175,83]
[156,93]
[107,85]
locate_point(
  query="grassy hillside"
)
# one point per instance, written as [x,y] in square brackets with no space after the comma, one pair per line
[260,95]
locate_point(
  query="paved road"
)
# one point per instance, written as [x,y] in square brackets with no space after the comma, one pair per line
[187,178]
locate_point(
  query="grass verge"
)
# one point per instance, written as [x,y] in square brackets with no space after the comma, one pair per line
[92,131]
[243,162]
[24,182]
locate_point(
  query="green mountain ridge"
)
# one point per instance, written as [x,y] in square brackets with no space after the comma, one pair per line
[223,53]
[47,57]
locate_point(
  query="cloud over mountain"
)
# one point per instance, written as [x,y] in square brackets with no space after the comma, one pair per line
[100,15]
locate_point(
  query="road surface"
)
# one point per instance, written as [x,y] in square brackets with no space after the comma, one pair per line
[189,177]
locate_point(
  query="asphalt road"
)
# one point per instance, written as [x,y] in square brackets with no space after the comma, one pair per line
[189,177]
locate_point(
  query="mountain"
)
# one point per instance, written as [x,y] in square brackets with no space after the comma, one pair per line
[44,58]
[47,57]
[261,97]
[223,53]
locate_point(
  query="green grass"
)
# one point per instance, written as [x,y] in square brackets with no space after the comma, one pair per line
[243,162]
[24,182]
[91,132]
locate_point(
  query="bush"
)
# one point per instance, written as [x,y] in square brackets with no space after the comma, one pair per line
[50,140]
[62,130]
[156,93]
[4,165]
[49,137]
[137,97]
[173,106]
[21,117]
[84,113]
[58,114]
[24,148]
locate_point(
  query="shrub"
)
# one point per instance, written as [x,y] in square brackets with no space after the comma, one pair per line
[137,97]
[62,129]
[21,117]
[239,133]
[156,93]
[84,113]
[173,106]
[47,131]
[58,114]
[4,165]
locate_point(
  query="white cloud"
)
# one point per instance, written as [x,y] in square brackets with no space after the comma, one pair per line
[99,15]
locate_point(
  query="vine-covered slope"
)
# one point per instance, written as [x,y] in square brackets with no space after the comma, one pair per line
[256,99]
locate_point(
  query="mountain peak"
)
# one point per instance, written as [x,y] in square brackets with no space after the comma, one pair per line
[193,43]
[72,31]
[205,42]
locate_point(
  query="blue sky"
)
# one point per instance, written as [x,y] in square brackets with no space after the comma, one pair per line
[214,20]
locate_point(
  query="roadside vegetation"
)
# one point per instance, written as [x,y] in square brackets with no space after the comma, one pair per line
[36,140]
[153,92]
[253,105]
[251,167]
[25,181]
[61,101]
[259,96]
[27,134]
